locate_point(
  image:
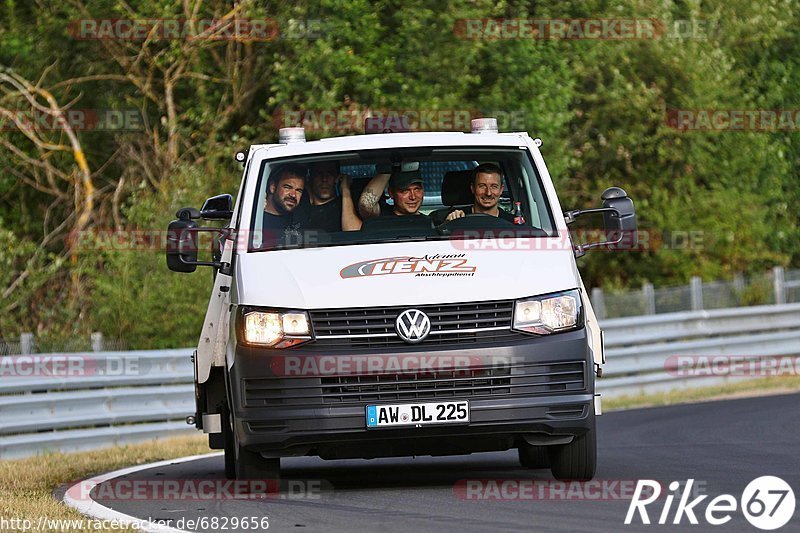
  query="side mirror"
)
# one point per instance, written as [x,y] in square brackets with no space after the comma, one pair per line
[620,223]
[619,217]
[624,219]
[218,207]
[182,242]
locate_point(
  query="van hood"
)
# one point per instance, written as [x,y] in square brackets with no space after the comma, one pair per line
[410,273]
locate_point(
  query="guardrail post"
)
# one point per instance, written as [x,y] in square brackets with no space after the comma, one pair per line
[738,287]
[696,293]
[778,285]
[26,343]
[97,341]
[598,303]
[649,295]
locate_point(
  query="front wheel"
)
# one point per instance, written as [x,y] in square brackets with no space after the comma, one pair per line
[576,460]
[230,447]
[531,456]
[251,465]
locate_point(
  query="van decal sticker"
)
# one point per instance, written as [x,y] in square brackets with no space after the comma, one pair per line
[438,265]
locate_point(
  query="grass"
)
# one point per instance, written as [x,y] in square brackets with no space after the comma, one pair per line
[742,389]
[27,485]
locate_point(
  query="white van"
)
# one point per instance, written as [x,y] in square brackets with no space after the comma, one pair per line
[415,335]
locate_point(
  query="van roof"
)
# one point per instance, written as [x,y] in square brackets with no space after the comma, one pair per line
[393,140]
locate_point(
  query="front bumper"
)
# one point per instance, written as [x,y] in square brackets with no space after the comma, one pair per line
[540,389]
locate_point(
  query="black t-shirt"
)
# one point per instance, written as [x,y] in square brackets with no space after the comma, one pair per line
[386,209]
[505,215]
[276,222]
[281,229]
[325,217]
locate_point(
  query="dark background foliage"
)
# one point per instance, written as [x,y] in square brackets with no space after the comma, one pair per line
[601,108]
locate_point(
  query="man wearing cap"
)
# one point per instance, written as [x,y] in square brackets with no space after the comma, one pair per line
[405,188]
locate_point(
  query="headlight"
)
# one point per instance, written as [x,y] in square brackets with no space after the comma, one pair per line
[548,314]
[276,329]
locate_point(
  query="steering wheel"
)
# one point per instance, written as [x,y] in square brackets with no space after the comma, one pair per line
[463,220]
[465,216]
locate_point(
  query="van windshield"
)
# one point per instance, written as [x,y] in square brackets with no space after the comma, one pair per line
[397,195]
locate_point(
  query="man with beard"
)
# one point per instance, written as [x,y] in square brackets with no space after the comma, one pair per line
[328,212]
[285,188]
[486,187]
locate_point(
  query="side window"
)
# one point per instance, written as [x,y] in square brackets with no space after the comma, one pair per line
[535,199]
[258,220]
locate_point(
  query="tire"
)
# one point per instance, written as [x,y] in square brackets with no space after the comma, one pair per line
[533,456]
[251,465]
[577,460]
[230,450]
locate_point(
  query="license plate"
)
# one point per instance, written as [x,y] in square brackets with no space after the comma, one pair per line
[417,414]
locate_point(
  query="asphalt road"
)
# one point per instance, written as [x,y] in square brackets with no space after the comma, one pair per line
[721,445]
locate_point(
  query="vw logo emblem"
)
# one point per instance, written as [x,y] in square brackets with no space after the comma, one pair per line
[412,325]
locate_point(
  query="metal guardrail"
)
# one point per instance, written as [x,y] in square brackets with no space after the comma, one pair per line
[69,402]
[94,400]
[643,352]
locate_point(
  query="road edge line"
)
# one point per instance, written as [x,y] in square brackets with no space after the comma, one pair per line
[93,509]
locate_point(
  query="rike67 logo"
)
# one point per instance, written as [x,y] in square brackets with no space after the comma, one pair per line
[767,503]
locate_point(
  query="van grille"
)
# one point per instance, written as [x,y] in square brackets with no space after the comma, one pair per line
[373,327]
[471,382]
